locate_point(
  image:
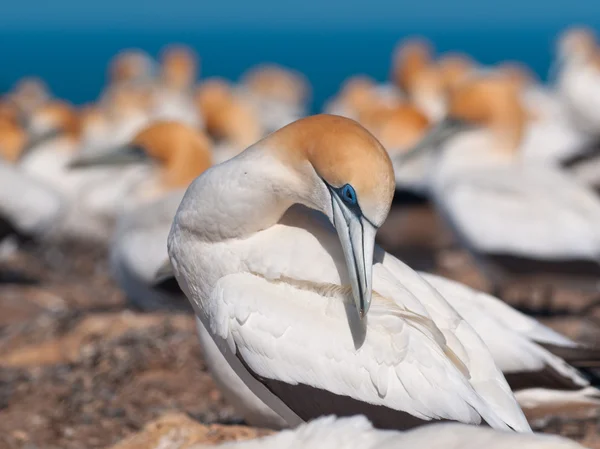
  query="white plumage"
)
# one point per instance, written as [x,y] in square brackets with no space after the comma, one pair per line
[273,293]
[357,432]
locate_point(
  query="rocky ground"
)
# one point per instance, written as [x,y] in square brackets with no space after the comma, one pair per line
[80,369]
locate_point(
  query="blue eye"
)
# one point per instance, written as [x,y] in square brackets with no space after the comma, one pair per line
[348,195]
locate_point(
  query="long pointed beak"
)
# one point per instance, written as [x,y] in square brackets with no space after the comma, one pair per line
[35,141]
[434,138]
[120,156]
[357,236]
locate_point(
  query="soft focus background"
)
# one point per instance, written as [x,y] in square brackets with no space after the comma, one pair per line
[69,43]
[82,365]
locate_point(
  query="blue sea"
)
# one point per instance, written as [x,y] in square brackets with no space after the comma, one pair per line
[73,63]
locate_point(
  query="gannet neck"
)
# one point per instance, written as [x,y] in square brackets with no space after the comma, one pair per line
[237,198]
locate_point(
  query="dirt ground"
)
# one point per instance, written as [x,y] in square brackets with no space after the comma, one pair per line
[80,369]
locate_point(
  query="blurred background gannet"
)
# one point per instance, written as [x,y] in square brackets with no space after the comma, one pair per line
[504,210]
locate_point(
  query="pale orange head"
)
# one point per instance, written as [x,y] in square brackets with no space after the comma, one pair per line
[402,127]
[341,152]
[226,116]
[9,112]
[411,58]
[517,73]
[13,139]
[29,94]
[59,116]
[577,43]
[182,151]
[278,83]
[455,68]
[493,102]
[126,100]
[179,67]
[130,66]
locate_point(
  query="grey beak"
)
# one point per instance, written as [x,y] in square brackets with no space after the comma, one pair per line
[35,141]
[436,136]
[120,156]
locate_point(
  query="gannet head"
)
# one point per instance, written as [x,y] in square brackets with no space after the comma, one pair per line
[227,116]
[29,94]
[126,102]
[401,128]
[455,68]
[492,102]
[12,140]
[411,58]
[273,82]
[577,44]
[181,151]
[179,67]
[9,112]
[52,119]
[130,66]
[349,177]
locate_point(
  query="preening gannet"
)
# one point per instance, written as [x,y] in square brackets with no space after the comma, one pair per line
[286,300]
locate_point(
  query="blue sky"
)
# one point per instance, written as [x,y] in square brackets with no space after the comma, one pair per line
[261,14]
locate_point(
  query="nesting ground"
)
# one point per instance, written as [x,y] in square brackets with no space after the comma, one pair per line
[80,369]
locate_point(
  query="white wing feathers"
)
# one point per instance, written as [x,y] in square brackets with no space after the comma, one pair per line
[510,335]
[464,341]
[311,343]
[528,200]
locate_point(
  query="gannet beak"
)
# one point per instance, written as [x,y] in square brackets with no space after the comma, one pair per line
[121,156]
[357,236]
[434,138]
[35,140]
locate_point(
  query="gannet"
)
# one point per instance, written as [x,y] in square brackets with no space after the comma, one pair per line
[91,198]
[172,96]
[29,207]
[578,77]
[232,122]
[518,219]
[357,432]
[139,245]
[278,94]
[130,66]
[286,301]
[416,73]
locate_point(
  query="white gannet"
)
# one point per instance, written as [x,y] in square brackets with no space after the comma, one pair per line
[28,95]
[278,94]
[578,77]
[577,73]
[13,139]
[91,198]
[416,73]
[359,96]
[518,219]
[330,432]
[398,129]
[171,97]
[29,208]
[232,123]
[550,135]
[130,66]
[281,295]
[124,111]
[139,245]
